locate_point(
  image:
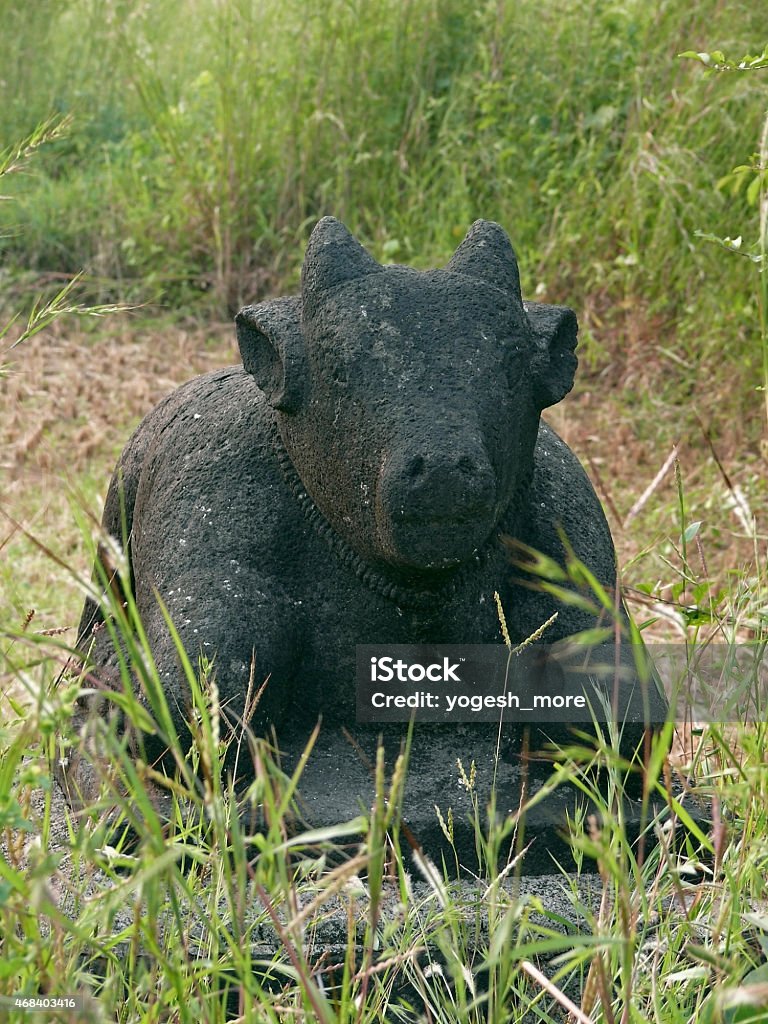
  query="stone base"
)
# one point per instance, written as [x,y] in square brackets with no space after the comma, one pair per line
[337,784]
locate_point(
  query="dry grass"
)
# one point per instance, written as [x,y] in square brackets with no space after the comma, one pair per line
[69,403]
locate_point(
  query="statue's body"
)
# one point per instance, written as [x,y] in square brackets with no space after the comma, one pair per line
[354,482]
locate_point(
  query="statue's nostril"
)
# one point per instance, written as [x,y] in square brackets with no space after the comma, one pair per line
[466,464]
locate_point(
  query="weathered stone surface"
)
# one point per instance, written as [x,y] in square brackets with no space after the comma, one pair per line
[357,480]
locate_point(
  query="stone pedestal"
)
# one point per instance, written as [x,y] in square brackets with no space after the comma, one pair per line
[337,784]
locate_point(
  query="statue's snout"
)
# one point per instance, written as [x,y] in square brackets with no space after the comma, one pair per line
[436,504]
[450,484]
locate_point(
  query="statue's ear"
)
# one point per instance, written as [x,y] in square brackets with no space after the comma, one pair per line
[272,349]
[554,329]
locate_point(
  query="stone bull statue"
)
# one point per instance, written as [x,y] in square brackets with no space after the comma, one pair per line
[357,480]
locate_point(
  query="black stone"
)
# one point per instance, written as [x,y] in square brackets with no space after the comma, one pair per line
[359,480]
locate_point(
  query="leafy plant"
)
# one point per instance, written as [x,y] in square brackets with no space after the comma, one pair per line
[752,179]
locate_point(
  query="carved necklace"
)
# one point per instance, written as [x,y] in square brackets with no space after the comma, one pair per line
[380,582]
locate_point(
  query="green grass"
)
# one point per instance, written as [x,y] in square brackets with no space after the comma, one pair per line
[217,907]
[174,896]
[208,138]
